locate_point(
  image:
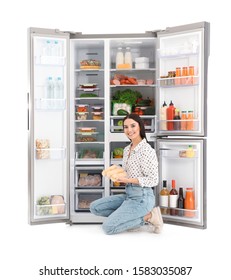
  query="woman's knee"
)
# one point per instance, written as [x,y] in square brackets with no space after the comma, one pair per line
[108,228]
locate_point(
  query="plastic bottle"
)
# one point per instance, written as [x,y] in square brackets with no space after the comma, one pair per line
[164,198]
[184,80]
[178,74]
[58,89]
[49,88]
[119,57]
[48,48]
[176,123]
[128,57]
[173,196]
[163,116]
[170,115]
[180,202]
[189,202]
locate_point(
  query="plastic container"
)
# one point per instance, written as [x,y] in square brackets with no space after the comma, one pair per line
[97,108]
[81,116]
[97,115]
[119,57]
[142,65]
[142,60]
[82,108]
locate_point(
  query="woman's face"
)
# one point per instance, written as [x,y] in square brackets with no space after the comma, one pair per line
[132,129]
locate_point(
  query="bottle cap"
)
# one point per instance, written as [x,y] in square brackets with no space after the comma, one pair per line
[173,184]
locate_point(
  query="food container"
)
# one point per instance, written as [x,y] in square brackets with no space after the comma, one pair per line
[143,65]
[97,115]
[88,86]
[82,108]
[86,137]
[81,116]
[142,60]
[141,82]
[97,108]
[120,106]
[86,129]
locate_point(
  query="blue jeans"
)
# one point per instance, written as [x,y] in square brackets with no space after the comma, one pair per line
[124,211]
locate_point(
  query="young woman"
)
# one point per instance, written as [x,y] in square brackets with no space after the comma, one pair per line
[134,208]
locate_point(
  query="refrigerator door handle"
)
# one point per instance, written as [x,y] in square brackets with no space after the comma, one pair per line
[28,112]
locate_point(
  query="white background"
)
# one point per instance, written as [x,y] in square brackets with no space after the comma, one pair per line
[26,248]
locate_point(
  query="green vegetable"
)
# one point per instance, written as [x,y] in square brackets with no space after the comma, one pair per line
[118,152]
[122,112]
[127,96]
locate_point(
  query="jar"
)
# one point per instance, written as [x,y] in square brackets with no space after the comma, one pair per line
[189,203]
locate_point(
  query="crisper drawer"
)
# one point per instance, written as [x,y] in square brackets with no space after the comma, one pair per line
[117,123]
[83,199]
[89,177]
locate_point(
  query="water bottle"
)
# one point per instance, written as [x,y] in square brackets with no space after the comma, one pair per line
[48,48]
[49,88]
[58,93]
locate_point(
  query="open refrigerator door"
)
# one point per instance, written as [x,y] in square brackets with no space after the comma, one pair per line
[48,127]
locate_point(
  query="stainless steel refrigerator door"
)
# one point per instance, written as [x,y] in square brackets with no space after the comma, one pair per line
[188,172]
[182,66]
[48,126]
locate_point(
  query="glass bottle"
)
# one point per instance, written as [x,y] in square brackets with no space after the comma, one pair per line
[178,74]
[128,58]
[173,196]
[119,57]
[164,198]
[180,202]
[176,123]
[189,203]
[184,79]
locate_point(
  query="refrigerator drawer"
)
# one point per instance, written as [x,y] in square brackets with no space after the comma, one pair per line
[90,177]
[83,199]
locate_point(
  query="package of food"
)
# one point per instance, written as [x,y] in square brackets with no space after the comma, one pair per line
[121,108]
[57,204]
[90,180]
[97,115]
[86,129]
[82,108]
[42,148]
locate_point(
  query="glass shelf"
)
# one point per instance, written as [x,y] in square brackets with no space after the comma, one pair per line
[44,104]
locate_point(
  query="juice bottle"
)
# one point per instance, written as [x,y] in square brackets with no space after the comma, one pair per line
[173,196]
[176,123]
[128,57]
[180,202]
[170,115]
[183,125]
[190,122]
[184,79]
[163,116]
[189,203]
[191,74]
[178,74]
[164,198]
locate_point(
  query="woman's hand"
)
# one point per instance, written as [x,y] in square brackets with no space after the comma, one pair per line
[128,180]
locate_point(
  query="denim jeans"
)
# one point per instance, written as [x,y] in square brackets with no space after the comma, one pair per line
[124,211]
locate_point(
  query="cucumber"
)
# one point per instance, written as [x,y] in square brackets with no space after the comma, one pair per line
[122,112]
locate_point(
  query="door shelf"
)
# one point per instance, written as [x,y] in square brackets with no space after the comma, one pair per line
[50,154]
[179,213]
[178,154]
[50,210]
[50,60]
[176,53]
[183,81]
[44,104]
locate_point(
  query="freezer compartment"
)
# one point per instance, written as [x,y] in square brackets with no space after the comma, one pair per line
[89,177]
[89,54]
[182,160]
[83,199]
[140,48]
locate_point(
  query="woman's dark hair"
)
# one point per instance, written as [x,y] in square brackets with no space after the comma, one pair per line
[136,118]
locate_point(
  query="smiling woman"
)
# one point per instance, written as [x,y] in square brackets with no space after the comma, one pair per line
[140,173]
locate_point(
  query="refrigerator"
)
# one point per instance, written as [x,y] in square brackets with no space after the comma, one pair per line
[75,99]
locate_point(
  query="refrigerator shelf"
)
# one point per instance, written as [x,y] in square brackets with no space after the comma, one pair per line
[50,154]
[44,104]
[89,70]
[132,70]
[179,213]
[131,85]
